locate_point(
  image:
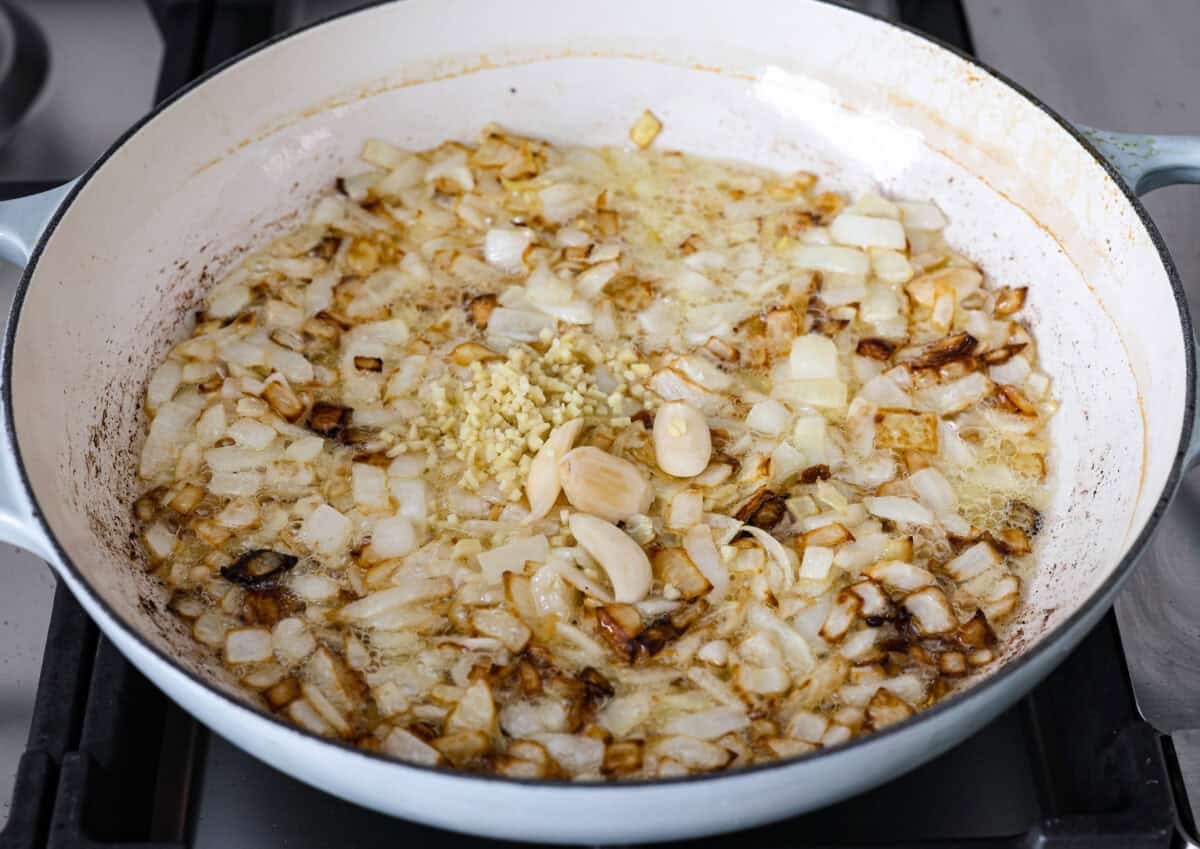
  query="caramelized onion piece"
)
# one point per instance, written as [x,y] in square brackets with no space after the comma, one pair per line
[259,567]
[765,509]
[957,346]
[1009,300]
[875,349]
[479,309]
[329,420]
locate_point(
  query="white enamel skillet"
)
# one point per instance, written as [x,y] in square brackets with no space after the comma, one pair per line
[117,259]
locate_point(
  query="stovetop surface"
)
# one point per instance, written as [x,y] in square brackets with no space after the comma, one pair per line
[111,763]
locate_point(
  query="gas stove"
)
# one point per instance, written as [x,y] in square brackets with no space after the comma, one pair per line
[109,761]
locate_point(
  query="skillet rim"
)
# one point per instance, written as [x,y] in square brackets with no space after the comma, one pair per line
[973,695]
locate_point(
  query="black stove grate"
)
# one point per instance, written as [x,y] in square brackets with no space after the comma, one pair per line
[112,764]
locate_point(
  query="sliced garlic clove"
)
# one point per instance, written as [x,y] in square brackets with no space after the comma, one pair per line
[597,482]
[682,442]
[622,559]
[543,484]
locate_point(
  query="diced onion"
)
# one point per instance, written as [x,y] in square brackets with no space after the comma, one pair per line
[808,434]
[831,258]
[703,372]
[525,719]
[955,396]
[973,562]
[698,543]
[505,249]
[673,385]
[226,302]
[592,282]
[880,304]
[305,450]
[862,552]
[252,434]
[709,724]
[764,681]
[413,588]
[234,484]
[921,216]
[812,357]
[519,325]
[325,530]
[768,417]
[316,588]
[827,393]
[1012,372]
[797,653]
[248,645]
[161,540]
[816,563]
[891,266]
[383,154]
[838,290]
[691,283]
[934,490]
[512,557]
[874,205]
[953,448]
[163,384]
[686,510]
[955,524]
[453,168]
[290,364]
[393,537]
[785,557]
[867,232]
[411,496]
[898,509]
[786,461]
[882,391]
[409,747]
[624,713]
[577,754]
[369,486]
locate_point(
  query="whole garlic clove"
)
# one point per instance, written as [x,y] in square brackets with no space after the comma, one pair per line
[599,483]
[682,441]
[622,559]
[543,483]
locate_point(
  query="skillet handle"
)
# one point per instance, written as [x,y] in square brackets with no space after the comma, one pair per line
[22,222]
[1149,162]
[1146,163]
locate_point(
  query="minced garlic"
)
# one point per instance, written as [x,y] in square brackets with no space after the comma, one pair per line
[497,418]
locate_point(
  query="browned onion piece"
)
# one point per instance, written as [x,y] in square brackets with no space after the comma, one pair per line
[765,509]
[479,309]
[948,349]
[259,567]
[329,420]
[875,349]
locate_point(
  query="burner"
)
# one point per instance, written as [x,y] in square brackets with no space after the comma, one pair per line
[24,66]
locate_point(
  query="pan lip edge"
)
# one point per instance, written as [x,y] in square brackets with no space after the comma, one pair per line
[973,695]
